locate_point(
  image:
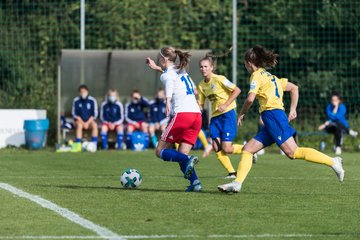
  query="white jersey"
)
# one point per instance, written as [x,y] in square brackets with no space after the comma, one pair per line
[180,88]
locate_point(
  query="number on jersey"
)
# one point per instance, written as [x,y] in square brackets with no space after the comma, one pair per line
[276,87]
[188,83]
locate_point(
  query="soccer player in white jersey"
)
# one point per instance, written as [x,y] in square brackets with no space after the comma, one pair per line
[182,107]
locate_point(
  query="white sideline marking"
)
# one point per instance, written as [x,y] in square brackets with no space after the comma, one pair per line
[101,231]
[266,235]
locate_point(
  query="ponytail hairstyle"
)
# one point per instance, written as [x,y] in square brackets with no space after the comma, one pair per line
[171,54]
[212,57]
[261,57]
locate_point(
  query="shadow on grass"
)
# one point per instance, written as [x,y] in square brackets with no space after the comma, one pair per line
[125,189]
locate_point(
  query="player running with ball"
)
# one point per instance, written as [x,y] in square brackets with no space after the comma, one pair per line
[182,107]
[268,89]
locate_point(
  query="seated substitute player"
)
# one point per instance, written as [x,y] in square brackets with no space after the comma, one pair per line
[222,94]
[268,89]
[337,123]
[182,106]
[112,118]
[135,117]
[85,112]
[157,116]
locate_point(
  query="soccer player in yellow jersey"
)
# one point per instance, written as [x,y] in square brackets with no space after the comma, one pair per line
[222,94]
[269,89]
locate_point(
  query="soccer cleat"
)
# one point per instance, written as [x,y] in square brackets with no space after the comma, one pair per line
[194,188]
[338,168]
[207,151]
[353,133]
[338,150]
[231,175]
[234,187]
[193,160]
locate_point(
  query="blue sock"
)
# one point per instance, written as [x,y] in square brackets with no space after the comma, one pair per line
[154,140]
[147,140]
[78,140]
[128,140]
[120,138]
[171,155]
[193,176]
[104,140]
[94,139]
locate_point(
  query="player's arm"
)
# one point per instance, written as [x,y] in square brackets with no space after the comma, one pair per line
[294,99]
[235,93]
[201,98]
[151,63]
[246,106]
[169,90]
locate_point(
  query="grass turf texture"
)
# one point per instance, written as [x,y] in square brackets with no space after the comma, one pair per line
[280,196]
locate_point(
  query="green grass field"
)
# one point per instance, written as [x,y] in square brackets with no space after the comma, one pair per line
[280,199]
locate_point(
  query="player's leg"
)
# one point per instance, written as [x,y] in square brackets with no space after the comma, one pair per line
[230,148]
[94,131]
[223,158]
[261,140]
[332,129]
[152,132]
[291,149]
[165,150]
[207,146]
[104,136]
[244,167]
[195,185]
[145,129]
[79,131]
[215,133]
[120,135]
[129,131]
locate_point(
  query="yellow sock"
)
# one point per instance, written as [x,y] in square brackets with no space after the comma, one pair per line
[237,148]
[312,155]
[225,161]
[202,138]
[244,166]
[176,146]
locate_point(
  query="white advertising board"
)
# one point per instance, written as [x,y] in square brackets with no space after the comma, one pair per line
[12,125]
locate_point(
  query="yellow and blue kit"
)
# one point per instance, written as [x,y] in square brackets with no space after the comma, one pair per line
[218,90]
[269,91]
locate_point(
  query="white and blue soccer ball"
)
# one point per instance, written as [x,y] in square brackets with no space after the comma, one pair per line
[131,178]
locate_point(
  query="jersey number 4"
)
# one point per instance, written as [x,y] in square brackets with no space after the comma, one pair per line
[188,83]
[276,88]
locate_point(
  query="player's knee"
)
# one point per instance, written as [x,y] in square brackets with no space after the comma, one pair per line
[130,129]
[227,149]
[289,154]
[158,152]
[104,129]
[94,125]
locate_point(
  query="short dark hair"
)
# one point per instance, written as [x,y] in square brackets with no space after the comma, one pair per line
[83,86]
[336,94]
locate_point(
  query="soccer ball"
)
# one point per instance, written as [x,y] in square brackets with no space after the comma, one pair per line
[89,146]
[131,178]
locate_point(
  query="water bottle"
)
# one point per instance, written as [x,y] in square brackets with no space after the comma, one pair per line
[322,146]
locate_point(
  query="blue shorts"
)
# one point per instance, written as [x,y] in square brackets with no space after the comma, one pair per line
[224,126]
[276,128]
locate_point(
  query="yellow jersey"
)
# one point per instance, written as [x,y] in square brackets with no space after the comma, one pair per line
[268,88]
[217,90]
